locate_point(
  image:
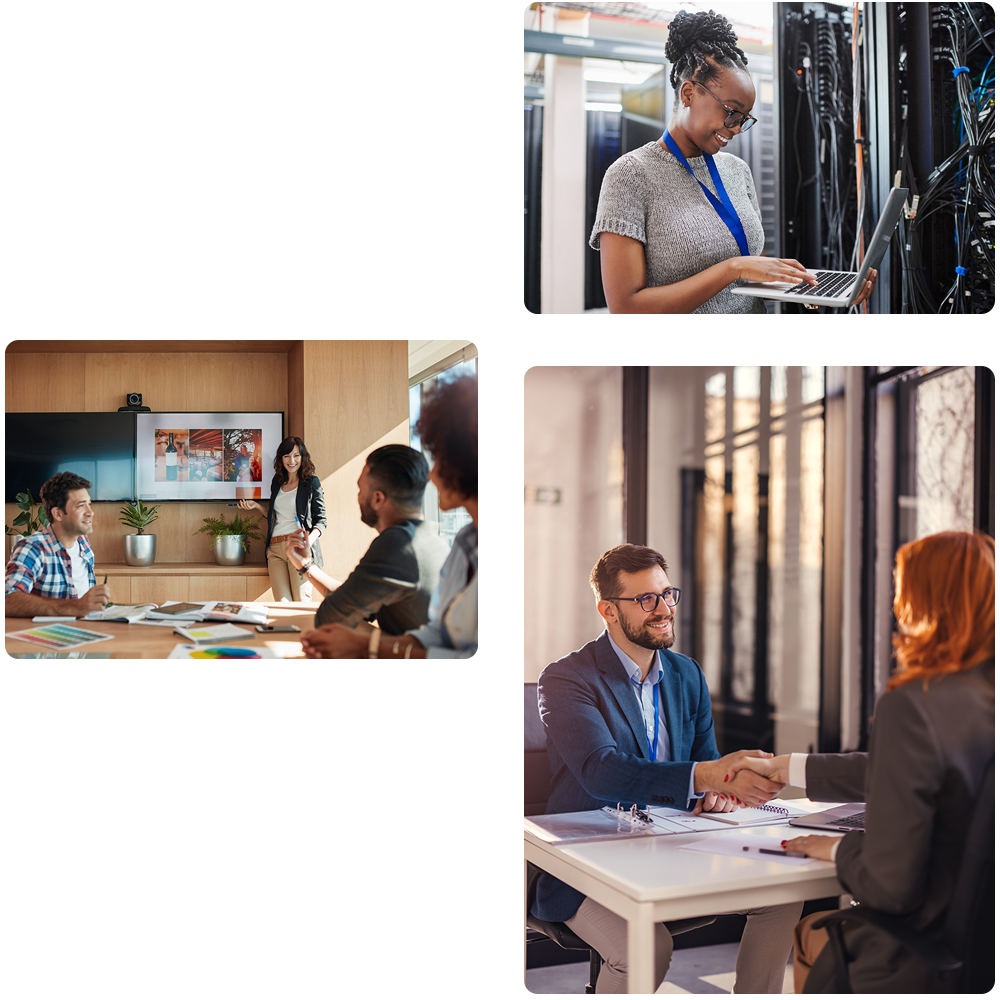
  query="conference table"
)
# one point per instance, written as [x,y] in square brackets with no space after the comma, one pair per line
[647,880]
[156,642]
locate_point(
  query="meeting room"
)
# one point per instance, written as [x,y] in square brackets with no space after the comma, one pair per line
[759,732]
[241,499]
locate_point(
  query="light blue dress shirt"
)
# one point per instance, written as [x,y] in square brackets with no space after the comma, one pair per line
[643,691]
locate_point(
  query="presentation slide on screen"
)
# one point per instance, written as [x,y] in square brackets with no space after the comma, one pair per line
[205,456]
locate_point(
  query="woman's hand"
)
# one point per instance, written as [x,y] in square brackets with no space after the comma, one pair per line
[249,505]
[772,269]
[815,846]
[867,288]
[335,642]
[713,802]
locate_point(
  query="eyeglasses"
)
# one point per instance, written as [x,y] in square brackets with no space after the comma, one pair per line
[735,119]
[648,602]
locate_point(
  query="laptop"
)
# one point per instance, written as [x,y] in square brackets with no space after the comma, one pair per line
[836,289]
[842,819]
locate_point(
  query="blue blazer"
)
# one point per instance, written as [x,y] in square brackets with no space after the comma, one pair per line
[597,747]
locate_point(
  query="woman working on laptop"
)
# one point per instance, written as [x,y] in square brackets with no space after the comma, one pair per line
[678,221]
[931,741]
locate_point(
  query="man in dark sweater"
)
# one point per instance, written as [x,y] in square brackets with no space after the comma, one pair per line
[396,577]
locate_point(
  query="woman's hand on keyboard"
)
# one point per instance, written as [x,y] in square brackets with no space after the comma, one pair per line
[773,269]
[867,288]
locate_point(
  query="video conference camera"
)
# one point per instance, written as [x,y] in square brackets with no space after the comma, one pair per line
[133,404]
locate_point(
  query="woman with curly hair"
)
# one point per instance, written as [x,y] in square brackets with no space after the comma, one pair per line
[449,429]
[297,507]
[678,222]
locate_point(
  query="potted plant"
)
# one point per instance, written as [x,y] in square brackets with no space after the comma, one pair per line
[30,519]
[230,539]
[140,548]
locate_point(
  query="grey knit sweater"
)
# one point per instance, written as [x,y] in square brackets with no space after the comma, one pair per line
[648,195]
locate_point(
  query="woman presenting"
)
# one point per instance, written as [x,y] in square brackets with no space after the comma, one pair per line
[296,500]
[678,221]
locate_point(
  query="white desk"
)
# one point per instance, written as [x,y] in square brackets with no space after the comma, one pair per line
[647,880]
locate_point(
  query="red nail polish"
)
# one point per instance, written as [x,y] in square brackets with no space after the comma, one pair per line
[726,778]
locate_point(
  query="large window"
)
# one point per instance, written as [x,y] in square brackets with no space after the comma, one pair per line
[931,469]
[755,553]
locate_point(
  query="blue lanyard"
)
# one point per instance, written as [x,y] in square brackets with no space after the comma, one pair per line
[656,723]
[724,207]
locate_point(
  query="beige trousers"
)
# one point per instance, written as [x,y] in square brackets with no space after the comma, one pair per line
[286,584]
[760,963]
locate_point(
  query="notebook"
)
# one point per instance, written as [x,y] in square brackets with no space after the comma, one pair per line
[836,289]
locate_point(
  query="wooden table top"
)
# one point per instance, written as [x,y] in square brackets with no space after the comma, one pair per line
[156,642]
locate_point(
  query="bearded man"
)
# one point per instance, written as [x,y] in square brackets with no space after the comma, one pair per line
[629,721]
[396,577]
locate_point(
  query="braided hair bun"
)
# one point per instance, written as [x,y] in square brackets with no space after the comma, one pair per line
[699,44]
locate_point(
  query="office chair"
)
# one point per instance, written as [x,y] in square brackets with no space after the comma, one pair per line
[961,954]
[536,794]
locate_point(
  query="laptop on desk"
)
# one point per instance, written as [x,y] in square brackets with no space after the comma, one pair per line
[840,819]
[836,289]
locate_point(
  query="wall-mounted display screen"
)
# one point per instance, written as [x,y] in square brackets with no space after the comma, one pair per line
[98,446]
[206,456]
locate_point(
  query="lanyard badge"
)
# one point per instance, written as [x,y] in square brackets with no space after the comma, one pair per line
[722,203]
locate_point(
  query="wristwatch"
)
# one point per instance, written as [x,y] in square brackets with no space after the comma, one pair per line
[306,566]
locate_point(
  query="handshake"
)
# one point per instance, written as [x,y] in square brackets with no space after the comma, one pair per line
[743,778]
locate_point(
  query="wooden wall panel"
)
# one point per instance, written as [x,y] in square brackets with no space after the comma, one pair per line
[188,381]
[355,398]
[296,392]
[45,383]
[217,588]
[159,589]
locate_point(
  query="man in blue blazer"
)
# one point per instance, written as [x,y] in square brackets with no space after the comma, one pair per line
[628,720]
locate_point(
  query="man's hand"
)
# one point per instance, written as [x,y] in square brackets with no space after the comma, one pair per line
[297,549]
[714,803]
[747,788]
[774,768]
[335,642]
[95,599]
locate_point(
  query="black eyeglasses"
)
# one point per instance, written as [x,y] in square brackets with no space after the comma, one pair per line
[735,119]
[648,602]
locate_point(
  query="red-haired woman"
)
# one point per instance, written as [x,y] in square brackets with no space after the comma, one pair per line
[931,740]
[297,504]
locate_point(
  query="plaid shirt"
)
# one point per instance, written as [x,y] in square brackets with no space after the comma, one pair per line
[40,565]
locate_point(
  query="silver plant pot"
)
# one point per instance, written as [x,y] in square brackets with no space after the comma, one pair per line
[228,550]
[140,550]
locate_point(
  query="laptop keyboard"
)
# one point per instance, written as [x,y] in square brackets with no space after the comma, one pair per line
[829,284]
[857,820]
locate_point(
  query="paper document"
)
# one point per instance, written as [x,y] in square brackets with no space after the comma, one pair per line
[59,637]
[593,824]
[733,844]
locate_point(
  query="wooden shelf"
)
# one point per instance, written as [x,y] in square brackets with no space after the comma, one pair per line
[180,569]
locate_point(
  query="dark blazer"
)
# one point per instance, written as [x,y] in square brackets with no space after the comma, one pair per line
[597,747]
[309,505]
[929,750]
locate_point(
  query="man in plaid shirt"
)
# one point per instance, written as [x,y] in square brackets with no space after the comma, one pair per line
[52,571]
